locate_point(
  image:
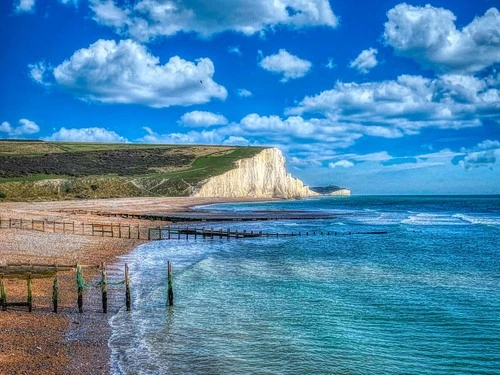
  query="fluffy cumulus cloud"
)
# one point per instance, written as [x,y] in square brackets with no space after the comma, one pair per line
[484,154]
[341,163]
[25,127]
[405,105]
[147,19]
[125,72]
[366,61]
[86,135]
[202,119]
[23,6]
[244,93]
[287,64]
[429,35]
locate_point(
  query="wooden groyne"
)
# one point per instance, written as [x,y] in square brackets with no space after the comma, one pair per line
[31,271]
[170,233]
[215,216]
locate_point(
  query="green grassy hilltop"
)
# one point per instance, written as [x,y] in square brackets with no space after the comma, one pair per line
[38,170]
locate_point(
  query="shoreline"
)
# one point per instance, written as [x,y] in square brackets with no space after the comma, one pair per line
[46,343]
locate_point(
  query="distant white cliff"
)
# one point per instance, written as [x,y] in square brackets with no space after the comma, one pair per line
[263,175]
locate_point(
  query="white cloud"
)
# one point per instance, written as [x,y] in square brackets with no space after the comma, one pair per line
[244,93]
[126,72]
[192,137]
[429,35]
[366,61]
[236,141]
[330,64]
[40,72]
[86,135]
[235,50]
[406,105]
[70,2]
[147,19]
[284,63]
[25,127]
[484,154]
[341,163]
[25,6]
[202,119]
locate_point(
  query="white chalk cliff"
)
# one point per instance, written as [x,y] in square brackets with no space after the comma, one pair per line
[263,175]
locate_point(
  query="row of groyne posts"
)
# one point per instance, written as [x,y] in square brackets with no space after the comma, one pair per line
[70,227]
[168,233]
[34,271]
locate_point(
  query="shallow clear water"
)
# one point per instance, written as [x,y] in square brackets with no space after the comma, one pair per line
[422,299]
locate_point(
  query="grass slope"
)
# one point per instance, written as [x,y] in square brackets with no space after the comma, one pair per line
[37,170]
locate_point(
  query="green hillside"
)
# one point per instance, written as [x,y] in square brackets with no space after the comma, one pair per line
[37,170]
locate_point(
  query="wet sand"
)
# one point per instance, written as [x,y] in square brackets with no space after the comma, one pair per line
[42,342]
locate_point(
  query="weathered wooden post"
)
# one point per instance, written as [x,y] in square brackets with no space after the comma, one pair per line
[3,294]
[43,225]
[187,233]
[228,233]
[178,233]
[159,232]
[119,230]
[64,227]
[104,288]
[21,225]
[138,232]
[212,232]
[203,232]
[149,234]
[31,224]
[10,223]
[220,233]
[170,297]
[236,233]
[195,233]
[80,283]
[55,293]
[127,288]
[30,296]
[169,232]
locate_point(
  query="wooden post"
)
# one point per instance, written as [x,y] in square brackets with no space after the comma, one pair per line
[195,233]
[236,233]
[119,230]
[220,233]
[178,233]
[104,288]
[228,233]
[64,227]
[187,233]
[55,293]
[80,283]
[159,232]
[138,232]
[169,232]
[112,230]
[10,223]
[203,232]
[21,225]
[73,227]
[30,296]
[43,225]
[3,294]
[127,288]
[93,230]
[170,296]
[31,224]
[212,232]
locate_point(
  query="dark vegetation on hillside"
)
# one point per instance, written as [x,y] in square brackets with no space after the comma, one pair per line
[120,162]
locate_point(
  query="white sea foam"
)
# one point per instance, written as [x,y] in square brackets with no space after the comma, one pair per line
[432,219]
[485,220]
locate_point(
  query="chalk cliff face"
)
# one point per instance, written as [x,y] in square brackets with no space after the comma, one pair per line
[342,192]
[263,175]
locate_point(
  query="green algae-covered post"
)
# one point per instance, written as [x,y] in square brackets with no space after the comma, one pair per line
[30,295]
[104,288]
[80,283]
[55,293]
[127,288]
[170,296]
[3,294]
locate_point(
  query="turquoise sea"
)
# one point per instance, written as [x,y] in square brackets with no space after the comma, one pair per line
[422,299]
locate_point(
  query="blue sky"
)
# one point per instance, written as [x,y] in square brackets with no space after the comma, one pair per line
[384,97]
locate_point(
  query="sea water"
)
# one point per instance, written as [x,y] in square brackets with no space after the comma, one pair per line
[422,299]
